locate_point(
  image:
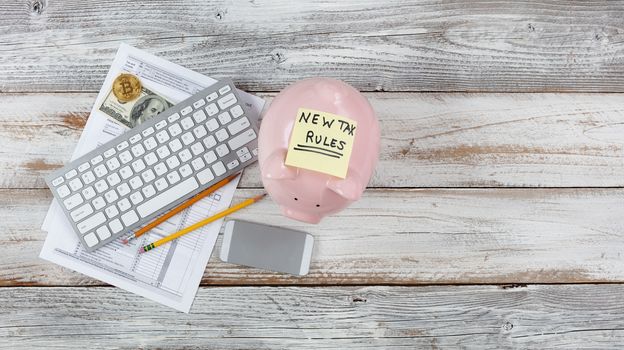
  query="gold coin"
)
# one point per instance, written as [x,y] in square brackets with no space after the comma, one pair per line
[126,87]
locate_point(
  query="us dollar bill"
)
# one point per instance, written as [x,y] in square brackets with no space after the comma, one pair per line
[135,112]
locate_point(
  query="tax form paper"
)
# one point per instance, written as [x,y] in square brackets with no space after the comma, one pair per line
[171,274]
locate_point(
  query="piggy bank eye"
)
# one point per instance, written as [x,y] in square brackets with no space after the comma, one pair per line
[318,205]
[296,199]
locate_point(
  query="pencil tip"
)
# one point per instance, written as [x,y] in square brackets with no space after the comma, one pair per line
[124,241]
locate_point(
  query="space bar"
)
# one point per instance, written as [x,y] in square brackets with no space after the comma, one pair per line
[167,197]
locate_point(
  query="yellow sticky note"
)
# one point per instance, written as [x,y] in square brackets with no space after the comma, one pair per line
[322,142]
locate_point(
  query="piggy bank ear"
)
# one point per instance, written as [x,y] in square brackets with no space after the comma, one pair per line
[350,188]
[275,169]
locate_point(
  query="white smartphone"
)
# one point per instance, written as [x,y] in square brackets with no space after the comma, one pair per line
[267,247]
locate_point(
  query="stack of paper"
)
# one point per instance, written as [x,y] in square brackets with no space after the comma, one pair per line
[171,274]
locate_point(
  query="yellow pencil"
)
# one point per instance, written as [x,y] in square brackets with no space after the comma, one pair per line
[181,207]
[204,222]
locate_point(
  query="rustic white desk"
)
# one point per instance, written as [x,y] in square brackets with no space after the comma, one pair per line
[495,218]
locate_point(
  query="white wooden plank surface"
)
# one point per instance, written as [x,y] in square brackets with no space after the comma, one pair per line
[481,317]
[375,45]
[428,140]
[395,236]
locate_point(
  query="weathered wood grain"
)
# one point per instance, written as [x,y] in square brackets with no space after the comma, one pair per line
[398,236]
[376,46]
[428,140]
[483,317]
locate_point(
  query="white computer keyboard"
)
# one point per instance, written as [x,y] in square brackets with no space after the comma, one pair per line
[157,165]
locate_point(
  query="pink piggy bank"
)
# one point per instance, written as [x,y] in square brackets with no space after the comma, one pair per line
[308,195]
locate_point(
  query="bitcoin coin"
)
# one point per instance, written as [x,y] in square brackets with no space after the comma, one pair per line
[126,87]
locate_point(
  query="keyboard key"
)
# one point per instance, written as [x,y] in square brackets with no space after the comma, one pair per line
[173,177]
[242,151]
[124,204]
[162,136]
[111,196]
[236,111]
[255,151]
[147,131]
[213,96]
[125,157]
[83,167]
[111,211]
[222,150]
[113,179]
[148,175]
[200,132]
[57,181]
[242,139]
[112,164]
[222,135]
[161,184]
[175,130]
[172,118]
[186,170]
[148,191]
[123,189]
[173,162]
[126,172]
[226,101]
[96,160]
[73,201]
[186,110]
[103,233]
[197,148]
[138,165]
[135,182]
[224,90]
[199,103]
[167,197]
[129,218]
[122,146]
[160,168]
[163,152]
[233,164]
[187,123]
[238,126]
[115,226]
[210,157]
[100,170]
[82,212]
[245,157]
[150,158]
[71,174]
[150,143]
[98,203]
[175,145]
[88,193]
[205,176]
[88,177]
[138,150]
[212,109]
[91,240]
[101,186]
[199,116]
[212,125]
[161,124]
[188,138]
[218,168]
[136,198]
[135,138]
[109,153]
[210,142]
[91,223]
[198,164]
[185,155]
[224,118]
[63,191]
